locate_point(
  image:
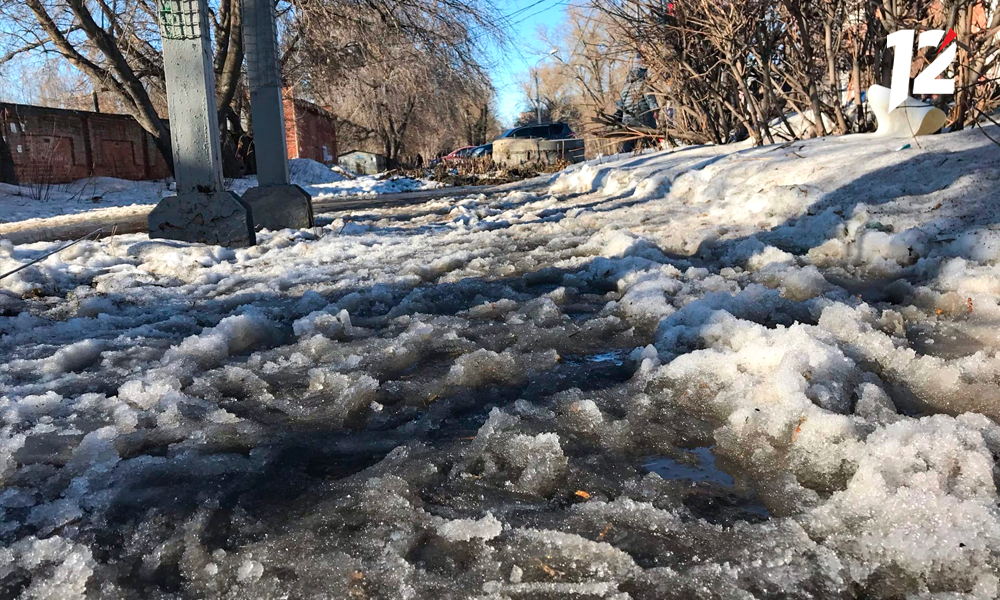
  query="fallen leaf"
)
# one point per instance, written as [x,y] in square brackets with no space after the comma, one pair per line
[550,571]
[798,429]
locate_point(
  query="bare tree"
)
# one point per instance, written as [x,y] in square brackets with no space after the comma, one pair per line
[478,120]
[397,74]
[116,46]
[747,67]
[558,92]
[587,69]
[977,27]
[96,53]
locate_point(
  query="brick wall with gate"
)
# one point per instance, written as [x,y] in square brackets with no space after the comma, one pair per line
[54,145]
[51,145]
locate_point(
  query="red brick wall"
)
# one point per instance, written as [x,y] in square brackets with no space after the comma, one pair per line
[57,146]
[308,128]
[291,137]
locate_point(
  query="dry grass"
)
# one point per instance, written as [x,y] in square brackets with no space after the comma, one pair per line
[482,171]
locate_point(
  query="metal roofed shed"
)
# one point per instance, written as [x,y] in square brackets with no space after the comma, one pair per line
[363,163]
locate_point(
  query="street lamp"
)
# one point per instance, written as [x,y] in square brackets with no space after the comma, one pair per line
[538,102]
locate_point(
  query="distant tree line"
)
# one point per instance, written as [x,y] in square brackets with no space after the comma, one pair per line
[401,76]
[405,77]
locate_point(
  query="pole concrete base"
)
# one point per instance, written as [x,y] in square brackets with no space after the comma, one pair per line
[280,206]
[217,218]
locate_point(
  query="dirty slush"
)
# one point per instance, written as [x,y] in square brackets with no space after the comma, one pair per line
[690,375]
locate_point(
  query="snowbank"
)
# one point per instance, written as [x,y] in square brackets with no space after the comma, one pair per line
[305,171]
[714,372]
[20,203]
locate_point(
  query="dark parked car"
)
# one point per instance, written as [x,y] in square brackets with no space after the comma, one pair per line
[547,131]
[484,151]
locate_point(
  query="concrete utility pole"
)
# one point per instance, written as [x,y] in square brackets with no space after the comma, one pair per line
[538,103]
[538,100]
[202,211]
[275,202]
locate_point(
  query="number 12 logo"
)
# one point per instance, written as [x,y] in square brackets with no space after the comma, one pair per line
[926,82]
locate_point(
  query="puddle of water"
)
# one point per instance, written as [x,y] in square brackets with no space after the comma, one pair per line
[614,357]
[949,340]
[722,506]
[702,468]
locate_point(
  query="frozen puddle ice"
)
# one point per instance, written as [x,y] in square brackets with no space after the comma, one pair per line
[703,468]
[713,495]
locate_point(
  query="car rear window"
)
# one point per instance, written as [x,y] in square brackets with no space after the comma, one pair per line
[553,130]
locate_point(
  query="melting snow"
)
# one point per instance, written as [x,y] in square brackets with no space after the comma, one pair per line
[460,399]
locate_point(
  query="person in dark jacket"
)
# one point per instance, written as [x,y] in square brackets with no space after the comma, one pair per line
[636,108]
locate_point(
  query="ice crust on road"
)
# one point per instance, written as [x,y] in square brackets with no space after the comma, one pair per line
[461,399]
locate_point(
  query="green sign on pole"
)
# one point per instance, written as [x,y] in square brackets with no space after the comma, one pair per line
[179,19]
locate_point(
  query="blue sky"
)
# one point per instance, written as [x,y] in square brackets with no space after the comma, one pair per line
[525,49]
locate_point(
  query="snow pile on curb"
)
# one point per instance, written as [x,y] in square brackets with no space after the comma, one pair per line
[305,171]
[35,201]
